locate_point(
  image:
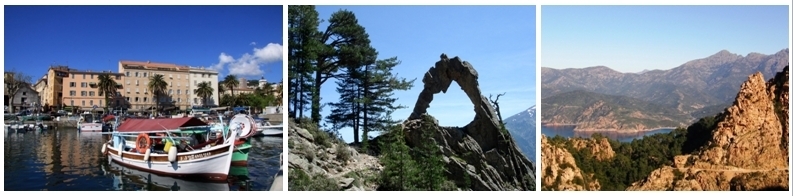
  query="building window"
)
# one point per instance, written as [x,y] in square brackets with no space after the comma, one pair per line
[92,76]
[73,78]
[145,99]
[136,99]
[100,102]
[91,102]
[118,77]
[72,93]
[127,74]
[136,74]
[72,102]
[83,78]
[72,84]
[137,90]
[145,74]
[24,93]
[178,92]
[178,76]
[195,100]
[179,100]
[170,91]
[83,84]
[83,93]
[83,100]
[91,93]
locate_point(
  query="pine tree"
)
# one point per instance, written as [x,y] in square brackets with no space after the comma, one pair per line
[366,96]
[399,172]
[303,48]
[378,92]
[429,158]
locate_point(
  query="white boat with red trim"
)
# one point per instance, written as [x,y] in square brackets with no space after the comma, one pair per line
[209,160]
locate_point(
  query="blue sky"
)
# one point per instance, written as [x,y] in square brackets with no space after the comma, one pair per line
[499,41]
[239,39]
[634,38]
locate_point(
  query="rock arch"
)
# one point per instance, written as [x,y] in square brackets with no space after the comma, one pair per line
[484,128]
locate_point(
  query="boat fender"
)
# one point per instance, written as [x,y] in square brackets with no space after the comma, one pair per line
[104,149]
[172,154]
[146,156]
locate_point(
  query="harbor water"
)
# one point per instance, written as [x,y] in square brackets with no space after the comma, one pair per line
[67,160]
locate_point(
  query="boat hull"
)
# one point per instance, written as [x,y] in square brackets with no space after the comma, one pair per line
[211,165]
[163,181]
[90,127]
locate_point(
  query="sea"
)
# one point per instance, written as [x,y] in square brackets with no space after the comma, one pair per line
[68,160]
[567,131]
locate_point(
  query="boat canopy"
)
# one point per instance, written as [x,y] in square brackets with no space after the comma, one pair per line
[159,125]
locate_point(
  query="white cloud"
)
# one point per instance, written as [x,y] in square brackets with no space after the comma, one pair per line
[223,60]
[249,64]
[270,53]
[253,43]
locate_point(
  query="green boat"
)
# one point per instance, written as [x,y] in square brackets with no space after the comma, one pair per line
[240,155]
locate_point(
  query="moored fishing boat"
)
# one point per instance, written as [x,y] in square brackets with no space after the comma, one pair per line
[208,160]
[88,123]
[247,127]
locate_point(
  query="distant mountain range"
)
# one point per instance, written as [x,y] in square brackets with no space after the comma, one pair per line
[698,88]
[523,128]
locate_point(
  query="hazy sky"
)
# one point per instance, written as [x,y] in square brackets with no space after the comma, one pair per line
[243,40]
[634,38]
[499,41]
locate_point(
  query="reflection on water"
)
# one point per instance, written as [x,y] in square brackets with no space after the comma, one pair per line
[66,160]
[567,131]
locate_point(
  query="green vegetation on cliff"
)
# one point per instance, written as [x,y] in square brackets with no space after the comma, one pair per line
[634,161]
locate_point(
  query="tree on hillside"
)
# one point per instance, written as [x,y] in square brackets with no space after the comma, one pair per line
[14,81]
[342,41]
[107,87]
[429,158]
[303,47]
[496,106]
[400,172]
[158,86]
[366,95]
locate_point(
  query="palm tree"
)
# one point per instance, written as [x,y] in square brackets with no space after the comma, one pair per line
[204,91]
[280,96]
[107,87]
[157,86]
[221,89]
[231,82]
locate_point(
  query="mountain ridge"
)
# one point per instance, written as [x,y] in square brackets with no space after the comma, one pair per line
[693,88]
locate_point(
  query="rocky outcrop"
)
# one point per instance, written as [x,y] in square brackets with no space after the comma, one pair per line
[480,149]
[749,148]
[560,172]
[331,164]
[600,148]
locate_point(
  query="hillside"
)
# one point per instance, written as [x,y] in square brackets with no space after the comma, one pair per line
[418,154]
[745,147]
[689,87]
[523,128]
[754,128]
[599,112]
